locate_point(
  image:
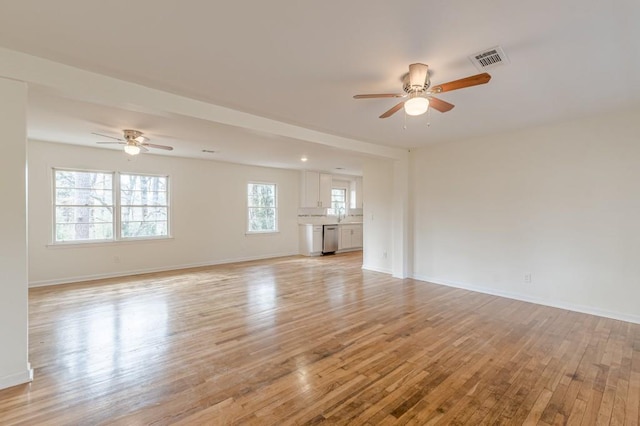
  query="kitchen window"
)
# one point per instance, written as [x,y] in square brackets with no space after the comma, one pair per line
[338,202]
[262,208]
[86,208]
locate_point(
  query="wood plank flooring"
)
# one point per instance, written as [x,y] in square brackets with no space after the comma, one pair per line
[316,340]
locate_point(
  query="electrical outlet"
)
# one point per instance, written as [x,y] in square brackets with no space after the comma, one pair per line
[527,278]
[384,254]
[116,259]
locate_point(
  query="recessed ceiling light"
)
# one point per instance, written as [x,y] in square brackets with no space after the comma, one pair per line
[303,159]
[339,168]
[209,151]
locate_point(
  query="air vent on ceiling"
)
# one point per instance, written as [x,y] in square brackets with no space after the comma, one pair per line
[489,58]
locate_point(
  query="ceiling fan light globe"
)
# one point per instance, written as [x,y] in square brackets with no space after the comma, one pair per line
[132,149]
[416,105]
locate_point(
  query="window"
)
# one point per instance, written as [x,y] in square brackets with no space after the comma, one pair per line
[338,202]
[86,208]
[262,208]
[83,206]
[143,206]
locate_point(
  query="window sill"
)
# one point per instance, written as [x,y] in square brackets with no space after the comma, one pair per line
[261,233]
[76,244]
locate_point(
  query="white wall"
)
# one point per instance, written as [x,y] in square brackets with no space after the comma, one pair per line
[560,202]
[14,364]
[208,210]
[378,199]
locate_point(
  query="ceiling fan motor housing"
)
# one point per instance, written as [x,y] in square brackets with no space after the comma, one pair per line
[407,87]
[421,74]
[131,134]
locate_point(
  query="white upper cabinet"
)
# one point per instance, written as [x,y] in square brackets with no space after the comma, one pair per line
[316,189]
[356,193]
[326,181]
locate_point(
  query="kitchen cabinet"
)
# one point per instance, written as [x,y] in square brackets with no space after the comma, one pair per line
[356,193]
[316,189]
[350,236]
[310,240]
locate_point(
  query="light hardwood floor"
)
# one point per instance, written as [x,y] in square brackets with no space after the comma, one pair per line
[316,340]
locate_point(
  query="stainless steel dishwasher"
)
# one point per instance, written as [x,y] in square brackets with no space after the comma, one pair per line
[329,239]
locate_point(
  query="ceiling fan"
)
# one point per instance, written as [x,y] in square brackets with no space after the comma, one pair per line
[417,88]
[134,142]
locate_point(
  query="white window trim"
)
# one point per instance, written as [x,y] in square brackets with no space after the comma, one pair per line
[277,216]
[347,198]
[115,187]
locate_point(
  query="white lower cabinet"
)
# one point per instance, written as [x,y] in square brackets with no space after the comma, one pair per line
[310,240]
[350,236]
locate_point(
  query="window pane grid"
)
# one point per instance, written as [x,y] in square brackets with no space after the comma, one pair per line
[262,207]
[84,212]
[143,197]
[84,232]
[136,229]
[71,195]
[144,206]
[85,208]
[338,201]
[83,180]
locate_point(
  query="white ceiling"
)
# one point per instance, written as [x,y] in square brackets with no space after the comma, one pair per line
[301,62]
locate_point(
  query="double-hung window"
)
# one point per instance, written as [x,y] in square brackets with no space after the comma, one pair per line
[144,207]
[262,206]
[91,206]
[83,206]
[338,202]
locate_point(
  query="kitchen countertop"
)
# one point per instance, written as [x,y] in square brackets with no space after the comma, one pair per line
[332,223]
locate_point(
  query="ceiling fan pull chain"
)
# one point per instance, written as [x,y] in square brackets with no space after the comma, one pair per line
[405,121]
[429,117]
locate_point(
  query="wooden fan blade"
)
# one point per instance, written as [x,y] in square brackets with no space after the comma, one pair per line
[393,110]
[381,95]
[417,75]
[152,145]
[474,80]
[440,105]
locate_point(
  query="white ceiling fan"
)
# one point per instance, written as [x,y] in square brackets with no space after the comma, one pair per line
[134,142]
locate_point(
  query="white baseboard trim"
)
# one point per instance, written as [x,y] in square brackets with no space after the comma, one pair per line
[376,269]
[538,301]
[79,278]
[348,250]
[17,378]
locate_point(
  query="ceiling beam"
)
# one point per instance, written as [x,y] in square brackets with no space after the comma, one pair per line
[78,84]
